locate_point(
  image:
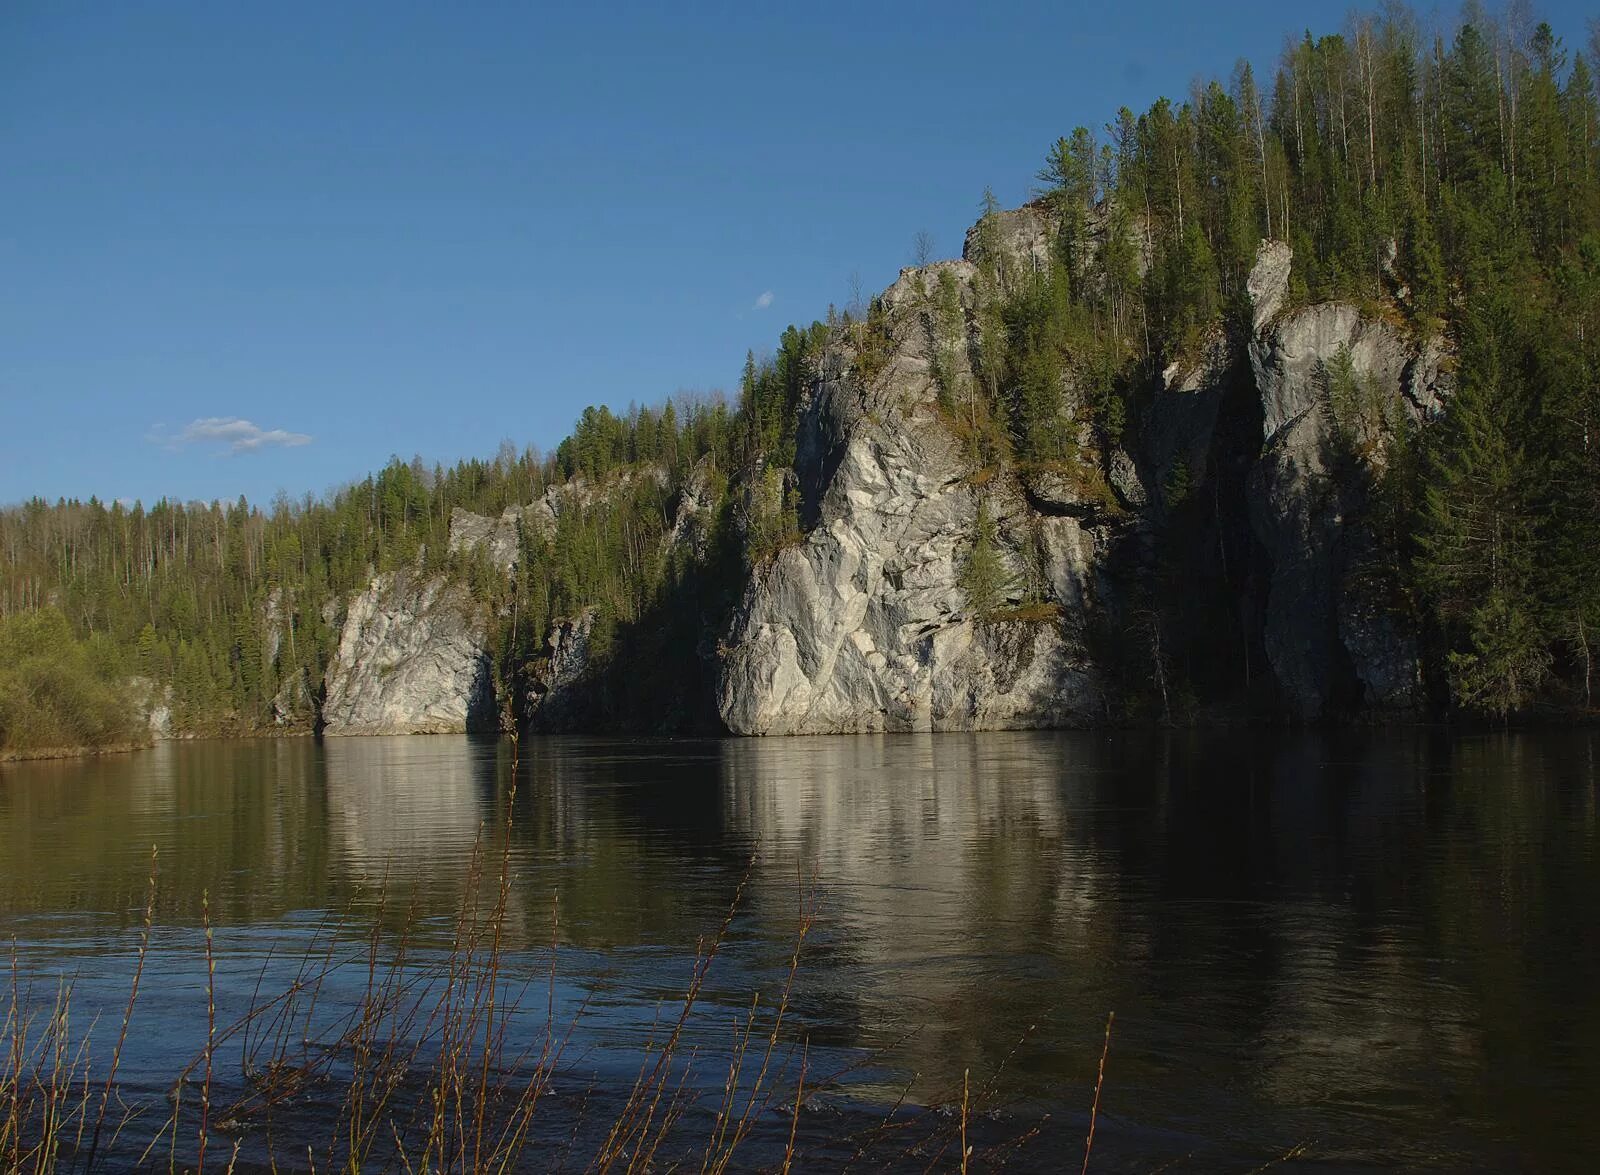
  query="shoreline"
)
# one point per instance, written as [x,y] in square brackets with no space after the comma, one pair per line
[35,754]
[1568,720]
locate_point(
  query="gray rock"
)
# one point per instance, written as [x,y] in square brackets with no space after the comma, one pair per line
[273,620]
[1289,358]
[153,704]
[1126,482]
[863,625]
[1268,283]
[1023,236]
[498,538]
[1330,634]
[412,659]
[556,699]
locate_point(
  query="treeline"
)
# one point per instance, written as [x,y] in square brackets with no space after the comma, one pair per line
[1449,181]
[235,607]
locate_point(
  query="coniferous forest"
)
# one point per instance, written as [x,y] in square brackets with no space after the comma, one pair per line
[1445,179]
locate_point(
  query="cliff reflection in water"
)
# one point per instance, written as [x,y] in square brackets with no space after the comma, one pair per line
[1348,928]
[403,806]
[1388,943]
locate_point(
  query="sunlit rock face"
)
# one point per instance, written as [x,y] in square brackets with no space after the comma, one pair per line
[412,659]
[497,538]
[864,625]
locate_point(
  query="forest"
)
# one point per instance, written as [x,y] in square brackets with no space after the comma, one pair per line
[1445,178]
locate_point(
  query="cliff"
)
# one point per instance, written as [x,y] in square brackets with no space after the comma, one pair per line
[412,659]
[864,625]
[1242,489]
[1330,380]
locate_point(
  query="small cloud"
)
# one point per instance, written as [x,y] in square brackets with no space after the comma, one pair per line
[764,300]
[240,436]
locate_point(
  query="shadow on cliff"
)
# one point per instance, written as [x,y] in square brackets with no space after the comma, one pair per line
[656,674]
[1181,634]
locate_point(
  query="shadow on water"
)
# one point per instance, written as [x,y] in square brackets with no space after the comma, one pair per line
[1384,945]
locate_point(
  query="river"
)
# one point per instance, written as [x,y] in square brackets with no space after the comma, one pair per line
[1361,951]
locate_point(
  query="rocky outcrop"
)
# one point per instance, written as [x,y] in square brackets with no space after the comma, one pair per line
[1021,238]
[864,624]
[293,706]
[152,703]
[498,538]
[557,698]
[1335,643]
[412,659]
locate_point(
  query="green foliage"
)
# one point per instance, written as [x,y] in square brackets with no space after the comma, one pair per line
[57,691]
[1484,546]
[1362,415]
[1505,658]
[948,343]
[984,578]
[774,513]
[1451,187]
[234,607]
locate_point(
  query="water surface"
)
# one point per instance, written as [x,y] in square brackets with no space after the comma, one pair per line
[1383,947]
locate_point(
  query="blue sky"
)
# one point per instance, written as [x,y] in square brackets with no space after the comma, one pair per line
[368,229]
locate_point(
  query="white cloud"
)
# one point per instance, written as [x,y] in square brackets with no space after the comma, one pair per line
[764,300]
[240,436]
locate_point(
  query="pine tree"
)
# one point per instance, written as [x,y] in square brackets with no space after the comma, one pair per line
[1479,541]
[984,578]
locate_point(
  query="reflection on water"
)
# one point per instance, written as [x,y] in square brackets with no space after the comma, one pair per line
[1388,944]
[400,804]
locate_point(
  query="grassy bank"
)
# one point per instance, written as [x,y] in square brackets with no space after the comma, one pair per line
[60,695]
[28,754]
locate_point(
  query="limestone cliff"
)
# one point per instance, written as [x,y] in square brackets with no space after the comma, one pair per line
[864,625]
[412,659]
[558,693]
[1243,487]
[1330,380]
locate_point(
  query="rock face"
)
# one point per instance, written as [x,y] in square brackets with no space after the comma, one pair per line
[153,704]
[1335,644]
[411,660]
[557,698]
[864,625]
[498,538]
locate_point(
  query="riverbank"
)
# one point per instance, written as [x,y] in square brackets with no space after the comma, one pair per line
[31,754]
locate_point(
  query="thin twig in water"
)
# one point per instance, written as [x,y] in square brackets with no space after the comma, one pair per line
[1099,1082]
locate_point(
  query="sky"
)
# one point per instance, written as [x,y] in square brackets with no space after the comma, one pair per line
[247,248]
